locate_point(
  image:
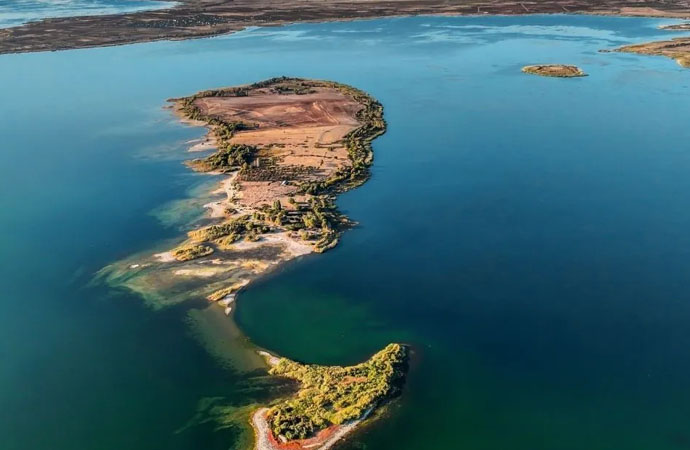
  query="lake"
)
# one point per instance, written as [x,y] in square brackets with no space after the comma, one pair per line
[527,236]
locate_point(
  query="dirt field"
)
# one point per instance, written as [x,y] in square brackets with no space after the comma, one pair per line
[302,135]
[200,18]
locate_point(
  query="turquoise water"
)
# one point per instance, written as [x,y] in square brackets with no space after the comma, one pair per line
[17,12]
[527,236]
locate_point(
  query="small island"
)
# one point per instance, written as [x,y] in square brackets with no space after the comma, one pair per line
[330,402]
[288,145]
[283,148]
[555,70]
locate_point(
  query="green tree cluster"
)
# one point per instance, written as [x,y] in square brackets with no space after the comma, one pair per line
[332,395]
[189,252]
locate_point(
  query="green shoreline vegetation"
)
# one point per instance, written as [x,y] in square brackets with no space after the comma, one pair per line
[333,395]
[189,252]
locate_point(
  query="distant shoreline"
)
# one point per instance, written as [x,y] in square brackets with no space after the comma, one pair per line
[38,11]
[197,19]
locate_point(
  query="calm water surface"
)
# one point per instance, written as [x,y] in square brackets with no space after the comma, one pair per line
[527,236]
[17,12]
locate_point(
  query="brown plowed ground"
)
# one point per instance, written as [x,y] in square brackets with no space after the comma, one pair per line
[294,132]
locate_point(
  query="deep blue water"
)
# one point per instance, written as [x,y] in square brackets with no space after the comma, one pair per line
[17,12]
[527,236]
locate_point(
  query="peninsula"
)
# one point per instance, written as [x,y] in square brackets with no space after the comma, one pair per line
[678,49]
[283,149]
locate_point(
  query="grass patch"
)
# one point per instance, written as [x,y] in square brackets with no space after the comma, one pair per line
[189,252]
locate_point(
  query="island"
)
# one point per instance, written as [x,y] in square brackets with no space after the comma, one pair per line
[330,401]
[554,70]
[288,146]
[281,150]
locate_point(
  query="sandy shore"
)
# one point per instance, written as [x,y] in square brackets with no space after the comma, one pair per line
[164,257]
[205,144]
[270,359]
[291,246]
[326,439]
[218,208]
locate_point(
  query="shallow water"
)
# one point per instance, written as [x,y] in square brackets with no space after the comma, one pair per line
[18,12]
[527,236]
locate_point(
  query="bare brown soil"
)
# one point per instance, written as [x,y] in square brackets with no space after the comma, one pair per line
[300,137]
[202,18]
